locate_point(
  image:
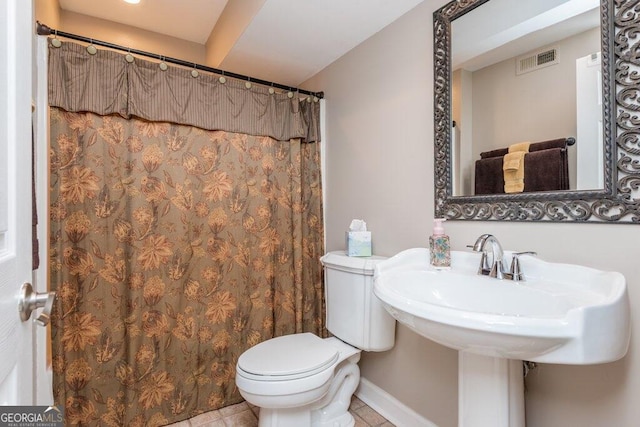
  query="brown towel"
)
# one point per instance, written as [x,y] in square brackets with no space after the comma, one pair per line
[545,145]
[489,176]
[494,153]
[536,146]
[547,170]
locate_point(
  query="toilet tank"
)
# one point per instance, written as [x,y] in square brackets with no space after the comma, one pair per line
[354,313]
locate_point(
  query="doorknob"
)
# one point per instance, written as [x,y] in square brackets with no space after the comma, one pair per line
[31,300]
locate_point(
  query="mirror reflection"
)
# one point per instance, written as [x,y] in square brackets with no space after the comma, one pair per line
[526,98]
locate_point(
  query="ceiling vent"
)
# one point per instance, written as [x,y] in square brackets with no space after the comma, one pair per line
[537,60]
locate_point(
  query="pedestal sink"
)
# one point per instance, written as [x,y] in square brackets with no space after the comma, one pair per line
[561,313]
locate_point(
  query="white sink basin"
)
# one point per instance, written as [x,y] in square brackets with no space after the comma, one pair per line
[561,314]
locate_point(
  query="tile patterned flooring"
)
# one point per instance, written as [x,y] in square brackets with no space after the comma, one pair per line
[245,415]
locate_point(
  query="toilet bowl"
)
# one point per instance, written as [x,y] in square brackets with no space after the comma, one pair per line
[293,379]
[303,380]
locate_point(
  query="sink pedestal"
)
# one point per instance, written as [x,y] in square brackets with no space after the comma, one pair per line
[490,391]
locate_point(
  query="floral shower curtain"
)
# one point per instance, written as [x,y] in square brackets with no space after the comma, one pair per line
[173,248]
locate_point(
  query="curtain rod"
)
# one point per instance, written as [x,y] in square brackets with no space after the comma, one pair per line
[45,30]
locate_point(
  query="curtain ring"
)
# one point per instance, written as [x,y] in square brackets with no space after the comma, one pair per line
[248,83]
[222,78]
[128,57]
[272,90]
[163,66]
[91,49]
[194,72]
[55,42]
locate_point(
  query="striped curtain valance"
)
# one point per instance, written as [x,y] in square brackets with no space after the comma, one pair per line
[105,83]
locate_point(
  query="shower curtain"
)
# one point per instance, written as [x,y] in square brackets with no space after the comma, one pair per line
[177,240]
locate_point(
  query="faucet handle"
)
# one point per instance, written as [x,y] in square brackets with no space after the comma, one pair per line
[517,254]
[516,271]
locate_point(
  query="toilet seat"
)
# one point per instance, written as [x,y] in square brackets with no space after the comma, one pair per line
[288,357]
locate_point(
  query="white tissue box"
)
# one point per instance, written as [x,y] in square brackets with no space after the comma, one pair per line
[358,243]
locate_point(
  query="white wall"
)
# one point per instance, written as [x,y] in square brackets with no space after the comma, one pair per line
[380,168]
[534,106]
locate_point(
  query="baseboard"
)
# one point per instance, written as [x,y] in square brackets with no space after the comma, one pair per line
[390,407]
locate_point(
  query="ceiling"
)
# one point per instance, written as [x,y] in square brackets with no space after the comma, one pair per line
[503,29]
[285,41]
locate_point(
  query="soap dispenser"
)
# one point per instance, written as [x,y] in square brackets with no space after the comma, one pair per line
[439,249]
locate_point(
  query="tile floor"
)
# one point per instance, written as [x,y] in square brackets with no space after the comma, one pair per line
[245,415]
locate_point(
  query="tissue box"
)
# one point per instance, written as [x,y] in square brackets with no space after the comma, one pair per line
[358,243]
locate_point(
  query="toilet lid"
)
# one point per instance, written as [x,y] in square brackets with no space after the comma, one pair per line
[289,356]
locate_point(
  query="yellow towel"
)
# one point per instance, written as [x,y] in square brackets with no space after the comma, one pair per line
[513,167]
[520,146]
[513,170]
[512,161]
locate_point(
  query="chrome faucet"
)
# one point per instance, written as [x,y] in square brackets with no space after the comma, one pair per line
[495,267]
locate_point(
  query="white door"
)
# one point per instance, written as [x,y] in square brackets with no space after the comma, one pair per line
[16,337]
[589,153]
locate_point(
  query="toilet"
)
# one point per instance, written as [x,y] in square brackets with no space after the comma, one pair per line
[303,380]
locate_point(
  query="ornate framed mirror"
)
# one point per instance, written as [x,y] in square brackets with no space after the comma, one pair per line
[605,188]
